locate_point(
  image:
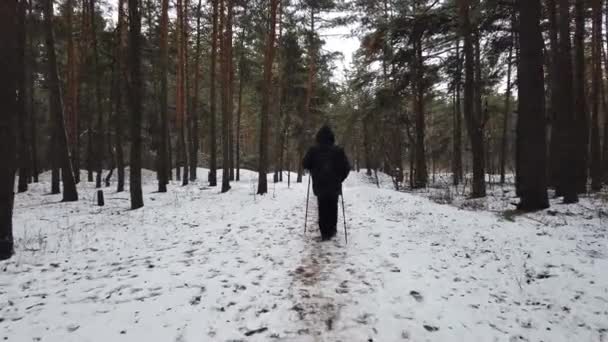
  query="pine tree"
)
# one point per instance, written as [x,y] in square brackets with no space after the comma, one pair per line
[56,107]
[135,103]
[531,119]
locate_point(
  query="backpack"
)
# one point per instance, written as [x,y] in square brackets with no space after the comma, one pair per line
[325,173]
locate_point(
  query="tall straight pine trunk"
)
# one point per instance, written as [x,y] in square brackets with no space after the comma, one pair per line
[163,163]
[56,108]
[213,97]
[531,120]
[135,103]
[565,127]
[266,95]
[8,100]
[581,115]
[596,96]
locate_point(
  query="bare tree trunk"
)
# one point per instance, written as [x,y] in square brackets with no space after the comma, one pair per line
[226,43]
[507,113]
[21,99]
[565,130]
[135,102]
[266,95]
[180,107]
[554,88]
[471,114]
[30,74]
[212,98]
[99,134]
[310,90]
[531,122]
[32,110]
[240,103]
[73,85]
[457,149]
[56,107]
[194,115]
[163,164]
[581,116]
[596,156]
[9,60]
[421,176]
[118,99]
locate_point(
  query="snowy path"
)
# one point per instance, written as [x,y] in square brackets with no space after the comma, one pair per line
[195,265]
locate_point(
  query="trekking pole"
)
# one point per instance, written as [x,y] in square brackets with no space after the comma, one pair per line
[344,215]
[307,198]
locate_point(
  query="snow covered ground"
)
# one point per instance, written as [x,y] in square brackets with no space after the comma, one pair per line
[196,265]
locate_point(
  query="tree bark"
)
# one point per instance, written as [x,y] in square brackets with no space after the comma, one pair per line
[471,114]
[194,115]
[71,99]
[310,90]
[421,174]
[99,134]
[56,107]
[566,132]
[21,99]
[8,98]
[163,163]
[531,120]
[226,58]
[212,98]
[118,88]
[554,89]
[135,102]
[581,116]
[507,112]
[180,98]
[596,157]
[457,148]
[266,95]
[32,110]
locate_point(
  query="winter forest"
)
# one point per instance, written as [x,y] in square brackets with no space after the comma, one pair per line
[152,185]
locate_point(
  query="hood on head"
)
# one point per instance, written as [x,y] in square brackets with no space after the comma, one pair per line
[325,136]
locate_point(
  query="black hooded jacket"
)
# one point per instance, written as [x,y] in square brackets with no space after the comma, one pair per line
[327,163]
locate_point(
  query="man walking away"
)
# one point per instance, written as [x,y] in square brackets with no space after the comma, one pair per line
[329,167]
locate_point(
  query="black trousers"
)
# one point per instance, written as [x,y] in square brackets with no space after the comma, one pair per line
[328,215]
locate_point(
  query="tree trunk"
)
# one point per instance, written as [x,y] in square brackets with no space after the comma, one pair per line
[507,112]
[596,157]
[266,95]
[99,134]
[180,98]
[71,99]
[118,88]
[421,176]
[163,163]
[310,89]
[531,120]
[212,98]
[581,116]
[31,84]
[135,102]
[554,89]
[31,70]
[226,58]
[471,114]
[194,115]
[457,149]
[21,99]
[9,59]
[240,105]
[566,132]
[56,107]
